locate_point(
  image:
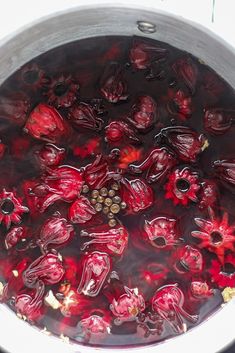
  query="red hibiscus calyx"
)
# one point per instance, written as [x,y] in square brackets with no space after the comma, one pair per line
[50,155]
[45,123]
[143,113]
[81,211]
[118,132]
[188,260]
[186,69]
[84,116]
[185,142]
[55,231]
[136,194]
[218,121]
[113,86]
[157,165]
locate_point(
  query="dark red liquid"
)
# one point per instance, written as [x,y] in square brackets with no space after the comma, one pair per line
[145,264]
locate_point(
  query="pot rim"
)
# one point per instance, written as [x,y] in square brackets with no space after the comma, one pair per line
[198,337]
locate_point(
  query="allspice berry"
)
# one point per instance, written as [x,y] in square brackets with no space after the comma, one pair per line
[95,194]
[111,193]
[123,205]
[115,208]
[108,201]
[103,191]
[93,201]
[112,222]
[115,186]
[106,209]
[117,199]
[100,199]
[98,207]
[85,189]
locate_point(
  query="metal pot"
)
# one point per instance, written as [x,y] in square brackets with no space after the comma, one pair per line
[126,18]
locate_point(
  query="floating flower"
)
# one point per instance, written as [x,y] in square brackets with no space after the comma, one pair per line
[128,305]
[136,194]
[187,70]
[30,305]
[113,86]
[62,91]
[180,105]
[216,235]
[186,143]
[84,116]
[95,269]
[188,260]
[218,121]
[47,268]
[223,275]
[225,171]
[81,210]
[162,232]
[111,240]
[208,194]
[143,54]
[98,323]
[200,290]
[91,147]
[119,131]
[182,186]
[11,208]
[168,302]
[158,164]
[143,113]
[15,235]
[50,155]
[45,123]
[55,231]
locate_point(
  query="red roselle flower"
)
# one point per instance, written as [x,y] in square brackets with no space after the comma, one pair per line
[182,186]
[110,240]
[15,107]
[225,171]
[223,276]
[95,269]
[168,302]
[45,123]
[50,155]
[187,70]
[11,208]
[216,235]
[113,86]
[128,305]
[218,121]
[62,183]
[208,194]
[128,155]
[158,164]
[33,77]
[119,131]
[30,305]
[81,211]
[186,143]
[136,194]
[84,116]
[188,260]
[200,290]
[98,173]
[15,235]
[47,268]
[62,92]
[55,231]
[143,54]
[213,86]
[162,232]
[143,113]
[180,105]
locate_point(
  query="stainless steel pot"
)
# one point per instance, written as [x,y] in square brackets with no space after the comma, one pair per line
[90,19]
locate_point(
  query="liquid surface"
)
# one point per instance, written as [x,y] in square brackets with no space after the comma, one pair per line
[116,191]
